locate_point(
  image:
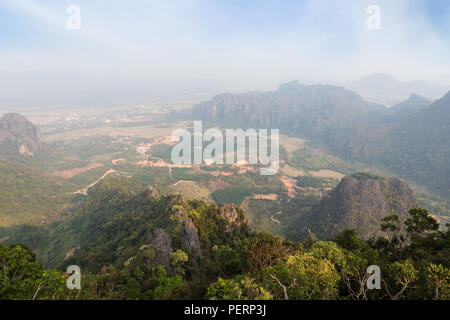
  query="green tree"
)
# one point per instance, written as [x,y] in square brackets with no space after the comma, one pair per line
[401,275]
[164,284]
[421,224]
[302,277]
[177,261]
[241,287]
[350,266]
[21,277]
[439,278]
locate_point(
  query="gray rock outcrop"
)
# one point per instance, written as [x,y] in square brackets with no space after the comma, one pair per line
[18,136]
[162,243]
[190,239]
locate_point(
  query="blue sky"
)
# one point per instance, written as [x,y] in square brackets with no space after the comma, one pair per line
[247,42]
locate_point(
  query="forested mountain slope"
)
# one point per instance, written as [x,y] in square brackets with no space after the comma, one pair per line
[29,195]
[416,146]
[133,244]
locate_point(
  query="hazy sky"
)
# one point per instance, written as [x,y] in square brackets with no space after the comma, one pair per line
[248,43]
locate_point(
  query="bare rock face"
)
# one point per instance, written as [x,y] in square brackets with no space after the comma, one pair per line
[230,213]
[18,136]
[190,239]
[147,195]
[313,110]
[150,193]
[162,243]
[153,193]
[177,199]
[360,202]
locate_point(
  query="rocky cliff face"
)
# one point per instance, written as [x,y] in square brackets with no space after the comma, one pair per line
[230,213]
[360,202]
[162,243]
[190,239]
[149,193]
[18,136]
[410,139]
[313,111]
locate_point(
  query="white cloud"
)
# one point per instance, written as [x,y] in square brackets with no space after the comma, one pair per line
[151,40]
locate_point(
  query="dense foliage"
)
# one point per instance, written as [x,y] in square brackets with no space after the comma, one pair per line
[29,195]
[134,244]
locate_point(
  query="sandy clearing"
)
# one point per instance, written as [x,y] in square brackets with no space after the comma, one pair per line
[219,184]
[71,251]
[275,220]
[270,196]
[76,171]
[162,164]
[327,174]
[289,185]
[181,181]
[116,161]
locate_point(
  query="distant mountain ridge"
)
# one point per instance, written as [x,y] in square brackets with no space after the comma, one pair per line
[410,139]
[315,111]
[413,104]
[379,86]
[415,145]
